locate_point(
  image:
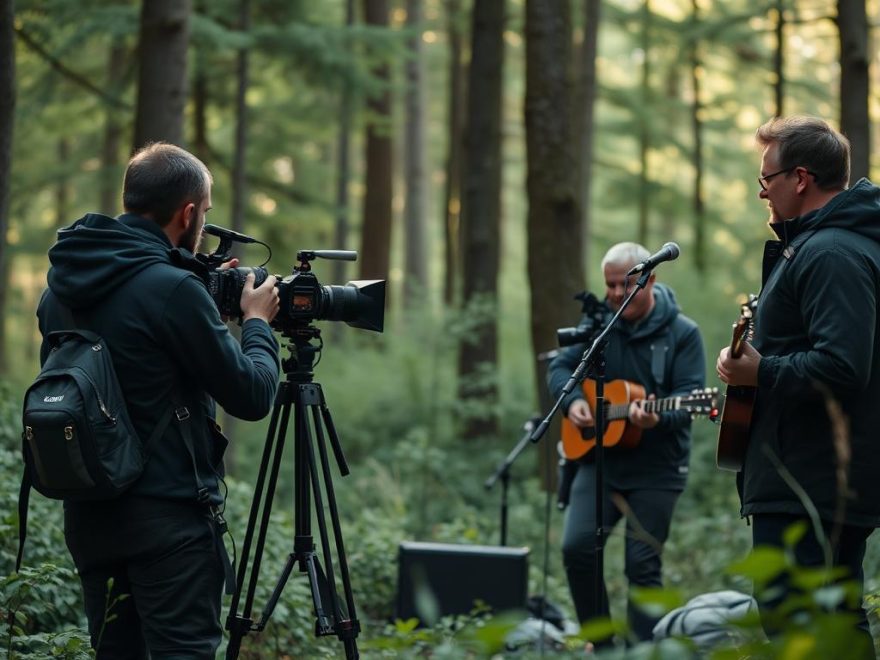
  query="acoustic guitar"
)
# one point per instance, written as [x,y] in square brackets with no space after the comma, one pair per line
[577,442]
[736,415]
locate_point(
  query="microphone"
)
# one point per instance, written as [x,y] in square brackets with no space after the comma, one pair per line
[228,234]
[668,252]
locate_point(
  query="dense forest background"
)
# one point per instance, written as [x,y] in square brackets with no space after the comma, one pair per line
[481,155]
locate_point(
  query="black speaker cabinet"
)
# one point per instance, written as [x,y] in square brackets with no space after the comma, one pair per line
[455,576]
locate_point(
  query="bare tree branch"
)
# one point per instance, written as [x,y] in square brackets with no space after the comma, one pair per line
[65,71]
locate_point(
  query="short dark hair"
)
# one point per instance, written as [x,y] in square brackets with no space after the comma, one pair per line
[811,143]
[162,177]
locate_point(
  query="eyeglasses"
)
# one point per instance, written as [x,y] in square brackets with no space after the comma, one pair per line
[764,181]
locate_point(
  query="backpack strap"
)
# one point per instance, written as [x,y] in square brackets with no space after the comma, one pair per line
[183,416]
[24,495]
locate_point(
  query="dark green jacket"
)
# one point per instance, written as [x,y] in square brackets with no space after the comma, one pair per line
[664,353]
[818,330]
[125,281]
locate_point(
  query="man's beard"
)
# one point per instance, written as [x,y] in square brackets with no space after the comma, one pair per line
[192,237]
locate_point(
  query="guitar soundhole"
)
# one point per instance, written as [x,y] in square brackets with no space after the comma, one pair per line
[588,432]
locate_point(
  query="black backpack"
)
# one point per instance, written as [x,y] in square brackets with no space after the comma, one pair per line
[78,441]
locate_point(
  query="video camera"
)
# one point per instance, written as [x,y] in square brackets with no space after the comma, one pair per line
[596,315]
[361,303]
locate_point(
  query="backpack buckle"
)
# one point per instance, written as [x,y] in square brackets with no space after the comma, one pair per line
[219,520]
[203,496]
[182,413]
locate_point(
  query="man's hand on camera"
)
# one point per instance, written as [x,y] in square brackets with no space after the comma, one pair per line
[259,303]
[232,263]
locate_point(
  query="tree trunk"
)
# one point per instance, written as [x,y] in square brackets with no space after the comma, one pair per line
[779,58]
[375,252]
[200,146]
[855,123]
[239,161]
[455,120]
[239,194]
[555,244]
[7,121]
[644,126]
[586,94]
[415,258]
[343,169]
[697,124]
[110,190]
[481,219]
[164,37]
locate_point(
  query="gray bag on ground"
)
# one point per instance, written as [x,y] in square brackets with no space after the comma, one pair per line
[706,618]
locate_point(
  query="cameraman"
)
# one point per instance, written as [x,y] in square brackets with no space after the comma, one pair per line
[656,346]
[135,281]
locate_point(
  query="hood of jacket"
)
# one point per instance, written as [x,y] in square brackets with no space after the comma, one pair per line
[664,312]
[856,209]
[97,253]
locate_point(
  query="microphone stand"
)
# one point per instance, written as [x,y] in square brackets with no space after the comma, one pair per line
[594,358]
[503,472]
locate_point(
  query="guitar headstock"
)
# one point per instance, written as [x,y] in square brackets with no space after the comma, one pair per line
[744,328]
[701,402]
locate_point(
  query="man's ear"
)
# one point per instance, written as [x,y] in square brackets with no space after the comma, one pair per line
[804,178]
[188,214]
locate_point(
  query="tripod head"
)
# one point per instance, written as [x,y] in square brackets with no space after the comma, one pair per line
[299,365]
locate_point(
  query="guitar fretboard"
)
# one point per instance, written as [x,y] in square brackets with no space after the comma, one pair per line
[621,410]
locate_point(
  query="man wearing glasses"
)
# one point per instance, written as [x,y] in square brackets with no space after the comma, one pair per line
[813,456]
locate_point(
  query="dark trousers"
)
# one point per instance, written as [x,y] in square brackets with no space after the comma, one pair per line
[647,527]
[768,530]
[164,555]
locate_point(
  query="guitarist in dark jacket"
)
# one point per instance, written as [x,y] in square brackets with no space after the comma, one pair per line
[815,358]
[656,346]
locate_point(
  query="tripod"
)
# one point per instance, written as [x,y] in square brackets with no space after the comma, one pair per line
[311,418]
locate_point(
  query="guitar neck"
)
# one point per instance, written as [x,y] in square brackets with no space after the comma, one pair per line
[621,410]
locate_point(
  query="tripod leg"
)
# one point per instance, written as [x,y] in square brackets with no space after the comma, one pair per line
[267,511]
[324,585]
[238,626]
[334,439]
[331,500]
[276,593]
[309,456]
[321,593]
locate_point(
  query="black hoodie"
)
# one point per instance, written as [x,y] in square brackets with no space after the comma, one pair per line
[661,458]
[818,331]
[125,281]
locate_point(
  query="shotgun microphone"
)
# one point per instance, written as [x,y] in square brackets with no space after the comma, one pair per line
[668,252]
[222,232]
